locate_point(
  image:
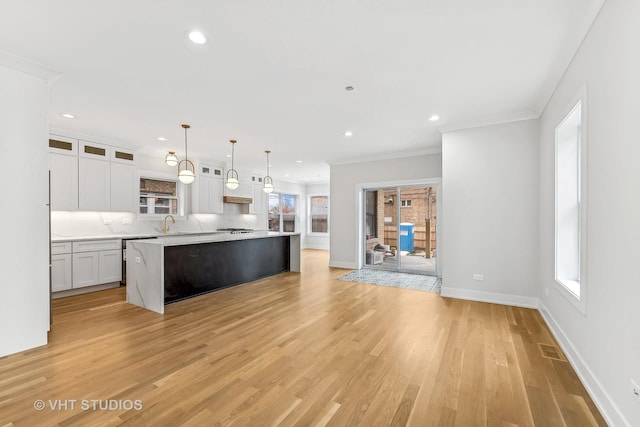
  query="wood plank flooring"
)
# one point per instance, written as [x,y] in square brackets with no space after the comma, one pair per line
[295,350]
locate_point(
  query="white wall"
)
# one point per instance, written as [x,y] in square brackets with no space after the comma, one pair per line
[605,343]
[24,306]
[317,241]
[490,213]
[345,178]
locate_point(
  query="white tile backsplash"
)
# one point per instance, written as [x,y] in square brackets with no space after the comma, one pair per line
[83,224]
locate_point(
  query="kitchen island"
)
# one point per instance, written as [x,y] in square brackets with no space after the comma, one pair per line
[169,269]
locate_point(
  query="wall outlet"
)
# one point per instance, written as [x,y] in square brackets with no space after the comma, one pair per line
[127,221]
[137,260]
[107,222]
[635,390]
[478,277]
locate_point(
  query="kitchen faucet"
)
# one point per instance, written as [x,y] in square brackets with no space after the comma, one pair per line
[165,228]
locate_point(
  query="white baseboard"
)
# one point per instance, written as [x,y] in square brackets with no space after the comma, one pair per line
[341,264]
[491,297]
[601,398]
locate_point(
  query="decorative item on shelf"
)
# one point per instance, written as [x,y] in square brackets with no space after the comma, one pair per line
[232,175]
[171,159]
[267,187]
[186,175]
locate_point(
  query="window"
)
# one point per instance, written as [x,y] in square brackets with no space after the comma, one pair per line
[569,205]
[282,212]
[158,197]
[371,213]
[319,214]
[405,203]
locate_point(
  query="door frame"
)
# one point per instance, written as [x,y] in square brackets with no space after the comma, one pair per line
[426,182]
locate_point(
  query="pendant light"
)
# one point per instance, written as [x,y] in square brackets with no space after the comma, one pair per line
[232,174]
[267,187]
[171,159]
[186,175]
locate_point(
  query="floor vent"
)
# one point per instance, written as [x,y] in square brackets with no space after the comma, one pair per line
[551,352]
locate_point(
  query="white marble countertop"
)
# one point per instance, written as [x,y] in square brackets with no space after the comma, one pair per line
[179,240]
[58,239]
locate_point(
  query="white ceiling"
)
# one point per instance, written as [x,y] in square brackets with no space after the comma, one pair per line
[273,73]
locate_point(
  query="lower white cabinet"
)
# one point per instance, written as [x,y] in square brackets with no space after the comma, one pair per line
[110,266]
[91,262]
[60,272]
[85,269]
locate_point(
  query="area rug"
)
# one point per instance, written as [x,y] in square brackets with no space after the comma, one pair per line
[393,279]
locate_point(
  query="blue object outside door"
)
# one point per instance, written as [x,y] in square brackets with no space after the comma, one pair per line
[406,236]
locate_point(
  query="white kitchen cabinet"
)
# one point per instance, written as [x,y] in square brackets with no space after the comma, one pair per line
[110,266]
[96,262]
[64,182]
[63,164]
[85,269]
[259,197]
[61,272]
[94,187]
[210,185]
[122,187]
[89,176]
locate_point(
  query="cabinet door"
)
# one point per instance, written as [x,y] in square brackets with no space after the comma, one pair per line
[94,184]
[64,182]
[216,194]
[110,269]
[259,204]
[85,269]
[122,187]
[204,194]
[60,272]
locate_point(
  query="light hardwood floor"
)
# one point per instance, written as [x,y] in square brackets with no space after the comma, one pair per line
[296,349]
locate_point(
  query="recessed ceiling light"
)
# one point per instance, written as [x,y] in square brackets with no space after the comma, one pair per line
[298,161]
[434,118]
[162,138]
[68,116]
[286,175]
[197,37]
[348,133]
[349,88]
[228,155]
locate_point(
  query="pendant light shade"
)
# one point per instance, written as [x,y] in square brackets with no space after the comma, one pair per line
[232,175]
[186,168]
[267,186]
[186,176]
[171,159]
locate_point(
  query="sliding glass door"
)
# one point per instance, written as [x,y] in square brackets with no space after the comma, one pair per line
[400,228]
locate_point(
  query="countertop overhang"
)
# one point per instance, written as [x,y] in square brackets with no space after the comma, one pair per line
[179,240]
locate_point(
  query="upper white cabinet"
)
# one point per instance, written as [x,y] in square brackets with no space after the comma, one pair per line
[63,164]
[123,181]
[89,176]
[94,190]
[209,183]
[259,197]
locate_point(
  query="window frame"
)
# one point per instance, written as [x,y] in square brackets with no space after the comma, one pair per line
[281,214]
[578,301]
[310,232]
[181,195]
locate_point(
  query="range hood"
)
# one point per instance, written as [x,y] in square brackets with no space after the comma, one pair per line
[239,200]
